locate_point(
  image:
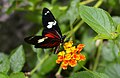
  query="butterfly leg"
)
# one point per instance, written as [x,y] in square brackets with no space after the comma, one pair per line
[56,49]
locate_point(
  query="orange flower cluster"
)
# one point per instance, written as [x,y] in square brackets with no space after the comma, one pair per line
[71,55]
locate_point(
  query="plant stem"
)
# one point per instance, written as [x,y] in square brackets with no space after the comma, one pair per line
[86,69]
[86,2]
[91,72]
[98,3]
[75,28]
[59,71]
[83,3]
[98,56]
[39,64]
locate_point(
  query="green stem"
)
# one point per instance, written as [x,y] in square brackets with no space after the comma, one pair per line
[86,2]
[71,28]
[91,72]
[98,56]
[75,28]
[39,64]
[98,3]
[59,71]
[83,2]
[87,69]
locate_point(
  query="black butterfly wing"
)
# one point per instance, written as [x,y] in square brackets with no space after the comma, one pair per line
[42,42]
[49,21]
[50,39]
[48,43]
[32,39]
[51,34]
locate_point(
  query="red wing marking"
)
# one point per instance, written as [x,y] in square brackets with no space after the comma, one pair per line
[51,44]
[51,34]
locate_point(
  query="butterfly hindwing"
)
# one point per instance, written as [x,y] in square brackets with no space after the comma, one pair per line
[51,33]
[48,43]
[49,21]
[33,39]
[42,42]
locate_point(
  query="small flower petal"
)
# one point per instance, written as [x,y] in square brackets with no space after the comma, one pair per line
[64,67]
[76,56]
[72,62]
[60,58]
[65,62]
[67,57]
[82,57]
[68,44]
[80,47]
[62,53]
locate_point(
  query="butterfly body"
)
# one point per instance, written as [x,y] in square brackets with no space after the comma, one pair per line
[51,35]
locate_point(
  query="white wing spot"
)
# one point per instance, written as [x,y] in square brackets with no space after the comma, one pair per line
[47,12]
[54,22]
[50,24]
[41,40]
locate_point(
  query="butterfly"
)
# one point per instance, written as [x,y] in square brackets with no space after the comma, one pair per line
[51,35]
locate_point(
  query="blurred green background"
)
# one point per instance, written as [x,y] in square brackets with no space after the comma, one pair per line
[21,18]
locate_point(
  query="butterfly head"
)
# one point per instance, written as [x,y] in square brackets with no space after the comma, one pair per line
[62,39]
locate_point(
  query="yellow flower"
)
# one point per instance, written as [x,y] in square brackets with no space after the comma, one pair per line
[60,57]
[68,44]
[71,55]
[62,53]
[67,56]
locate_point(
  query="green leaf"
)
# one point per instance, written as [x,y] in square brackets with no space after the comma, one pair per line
[113,70]
[4,63]
[99,20]
[17,59]
[35,75]
[86,74]
[116,19]
[48,65]
[2,75]
[118,28]
[109,51]
[17,75]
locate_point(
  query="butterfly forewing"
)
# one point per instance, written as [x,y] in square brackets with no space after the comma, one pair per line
[49,21]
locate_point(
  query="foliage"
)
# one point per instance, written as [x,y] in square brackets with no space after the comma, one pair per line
[97,28]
